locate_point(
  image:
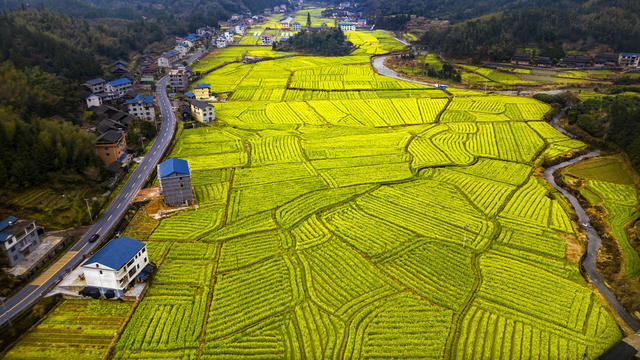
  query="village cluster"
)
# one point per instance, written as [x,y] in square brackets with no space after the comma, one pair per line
[626,60]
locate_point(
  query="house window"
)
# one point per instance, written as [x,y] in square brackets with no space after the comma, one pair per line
[100,272]
[97,265]
[145,259]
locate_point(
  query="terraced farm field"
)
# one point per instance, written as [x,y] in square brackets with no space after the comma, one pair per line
[349,215]
[362,226]
[75,329]
[378,219]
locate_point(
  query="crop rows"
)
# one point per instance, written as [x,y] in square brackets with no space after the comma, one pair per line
[296,210]
[275,149]
[373,236]
[420,206]
[247,250]
[264,341]
[211,194]
[518,289]
[188,225]
[168,318]
[529,202]
[519,233]
[487,334]
[244,298]
[339,294]
[486,194]
[78,329]
[437,271]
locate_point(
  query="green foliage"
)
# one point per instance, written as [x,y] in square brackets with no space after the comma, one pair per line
[497,36]
[82,329]
[615,118]
[31,150]
[327,42]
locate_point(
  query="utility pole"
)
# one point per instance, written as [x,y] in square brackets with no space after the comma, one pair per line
[88,209]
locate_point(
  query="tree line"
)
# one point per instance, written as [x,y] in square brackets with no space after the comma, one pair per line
[325,42]
[613,119]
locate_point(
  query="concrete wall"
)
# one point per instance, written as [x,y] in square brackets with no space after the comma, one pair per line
[176,190]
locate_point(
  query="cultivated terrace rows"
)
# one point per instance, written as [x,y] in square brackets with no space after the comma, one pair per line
[344,214]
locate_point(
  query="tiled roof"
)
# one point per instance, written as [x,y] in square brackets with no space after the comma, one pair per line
[110,137]
[96,81]
[202,86]
[200,104]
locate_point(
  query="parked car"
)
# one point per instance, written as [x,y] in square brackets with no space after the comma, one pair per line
[94,238]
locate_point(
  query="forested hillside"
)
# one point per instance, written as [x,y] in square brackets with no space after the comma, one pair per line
[496,29]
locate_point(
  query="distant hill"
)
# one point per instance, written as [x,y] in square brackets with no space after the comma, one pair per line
[495,29]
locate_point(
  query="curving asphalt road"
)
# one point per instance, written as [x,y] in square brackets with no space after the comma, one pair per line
[105,224]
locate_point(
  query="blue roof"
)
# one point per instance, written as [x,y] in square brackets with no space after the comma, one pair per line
[117,252]
[189,94]
[145,99]
[122,157]
[202,86]
[629,54]
[173,165]
[192,35]
[119,82]
[5,224]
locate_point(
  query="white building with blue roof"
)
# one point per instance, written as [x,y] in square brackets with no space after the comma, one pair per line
[18,238]
[175,182]
[116,266]
[118,88]
[142,107]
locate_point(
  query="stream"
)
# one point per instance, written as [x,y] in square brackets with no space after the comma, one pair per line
[594,240]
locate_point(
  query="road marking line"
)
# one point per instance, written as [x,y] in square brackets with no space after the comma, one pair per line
[110,216]
[42,279]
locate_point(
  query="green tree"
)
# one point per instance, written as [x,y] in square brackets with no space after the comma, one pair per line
[308,20]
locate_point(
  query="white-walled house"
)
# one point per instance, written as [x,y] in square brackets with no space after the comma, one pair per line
[347,27]
[267,39]
[18,238]
[118,88]
[142,107]
[221,42]
[116,266]
[203,111]
[93,100]
[96,85]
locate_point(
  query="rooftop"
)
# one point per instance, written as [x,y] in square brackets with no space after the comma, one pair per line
[202,86]
[201,104]
[141,98]
[173,165]
[12,225]
[116,253]
[110,137]
[119,82]
[629,54]
[96,81]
